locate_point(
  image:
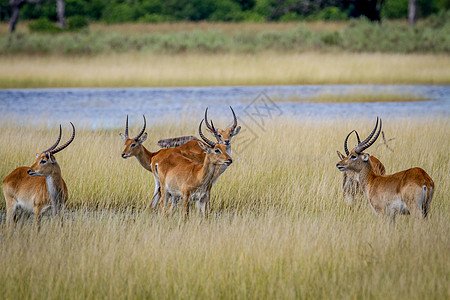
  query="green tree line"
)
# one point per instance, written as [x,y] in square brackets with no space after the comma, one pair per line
[118,11]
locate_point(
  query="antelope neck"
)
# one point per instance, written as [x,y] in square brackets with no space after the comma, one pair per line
[145,158]
[55,186]
[365,176]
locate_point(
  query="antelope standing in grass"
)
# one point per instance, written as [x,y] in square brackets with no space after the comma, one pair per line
[134,147]
[223,136]
[38,187]
[406,192]
[181,177]
[350,186]
[186,146]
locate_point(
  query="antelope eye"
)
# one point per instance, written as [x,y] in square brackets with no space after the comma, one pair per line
[353,156]
[217,151]
[133,145]
[42,162]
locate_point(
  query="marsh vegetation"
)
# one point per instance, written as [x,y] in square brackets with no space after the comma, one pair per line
[279,227]
[206,54]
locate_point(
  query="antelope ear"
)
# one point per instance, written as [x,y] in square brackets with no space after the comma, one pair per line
[204,146]
[142,138]
[236,131]
[341,156]
[52,159]
[124,138]
[365,157]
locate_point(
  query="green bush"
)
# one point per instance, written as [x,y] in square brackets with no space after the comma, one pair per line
[77,23]
[331,13]
[331,38]
[227,10]
[253,17]
[291,16]
[152,18]
[121,13]
[438,20]
[43,25]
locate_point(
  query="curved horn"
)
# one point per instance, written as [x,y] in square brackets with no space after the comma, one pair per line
[57,141]
[370,135]
[211,144]
[62,147]
[234,120]
[142,131]
[364,145]
[210,126]
[346,139]
[126,128]
[357,136]
[345,142]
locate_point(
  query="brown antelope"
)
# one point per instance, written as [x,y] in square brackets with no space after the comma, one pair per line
[189,149]
[38,187]
[134,147]
[406,192]
[222,137]
[350,186]
[181,177]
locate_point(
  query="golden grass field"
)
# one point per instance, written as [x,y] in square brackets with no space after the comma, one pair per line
[279,228]
[141,69]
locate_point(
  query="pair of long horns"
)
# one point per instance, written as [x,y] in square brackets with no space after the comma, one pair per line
[140,133]
[53,149]
[367,142]
[211,126]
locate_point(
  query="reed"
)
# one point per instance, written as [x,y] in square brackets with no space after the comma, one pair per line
[141,69]
[279,227]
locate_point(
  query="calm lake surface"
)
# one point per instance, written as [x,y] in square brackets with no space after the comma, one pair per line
[107,107]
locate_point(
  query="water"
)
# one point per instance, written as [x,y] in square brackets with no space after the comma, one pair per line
[107,107]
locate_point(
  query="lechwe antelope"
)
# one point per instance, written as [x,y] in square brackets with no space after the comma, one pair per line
[181,177]
[191,148]
[134,147]
[186,146]
[38,187]
[405,192]
[350,186]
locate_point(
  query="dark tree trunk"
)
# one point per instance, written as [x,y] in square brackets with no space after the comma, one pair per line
[412,12]
[16,5]
[15,11]
[60,10]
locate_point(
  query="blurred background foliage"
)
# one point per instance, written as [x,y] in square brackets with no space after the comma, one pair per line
[119,11]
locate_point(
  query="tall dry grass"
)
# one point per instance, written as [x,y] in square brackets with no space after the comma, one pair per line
[140,69]
[279,227]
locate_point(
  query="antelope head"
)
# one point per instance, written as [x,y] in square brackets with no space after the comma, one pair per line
[223,136]
[356,159]
[45,161]
[133,145]
[216,152]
